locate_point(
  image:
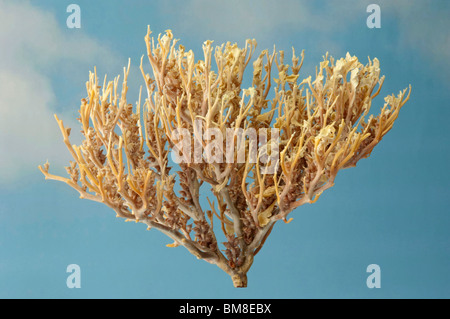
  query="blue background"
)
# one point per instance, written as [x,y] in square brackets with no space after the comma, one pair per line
[391,210]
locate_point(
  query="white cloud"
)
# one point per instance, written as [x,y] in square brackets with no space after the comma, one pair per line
[241,19]
[34,48]
[424,26]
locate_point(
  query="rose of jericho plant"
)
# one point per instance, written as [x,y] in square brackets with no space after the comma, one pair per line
[323,123]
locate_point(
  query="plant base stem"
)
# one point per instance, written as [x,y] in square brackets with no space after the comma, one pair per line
[239,280]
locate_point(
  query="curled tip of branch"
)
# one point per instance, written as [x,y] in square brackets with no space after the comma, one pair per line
[174,244]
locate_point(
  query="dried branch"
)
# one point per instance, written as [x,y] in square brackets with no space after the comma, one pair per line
[262,157]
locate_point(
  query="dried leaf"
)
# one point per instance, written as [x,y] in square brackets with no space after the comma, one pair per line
[263,218]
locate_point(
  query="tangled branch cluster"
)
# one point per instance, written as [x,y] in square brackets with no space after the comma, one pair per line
[323,127]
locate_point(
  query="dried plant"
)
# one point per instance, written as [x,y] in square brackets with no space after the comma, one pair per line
[323,126]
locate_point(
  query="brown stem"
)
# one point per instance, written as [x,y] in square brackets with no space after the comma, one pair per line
[239,280]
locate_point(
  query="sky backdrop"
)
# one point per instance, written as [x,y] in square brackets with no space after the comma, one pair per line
[391,210]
